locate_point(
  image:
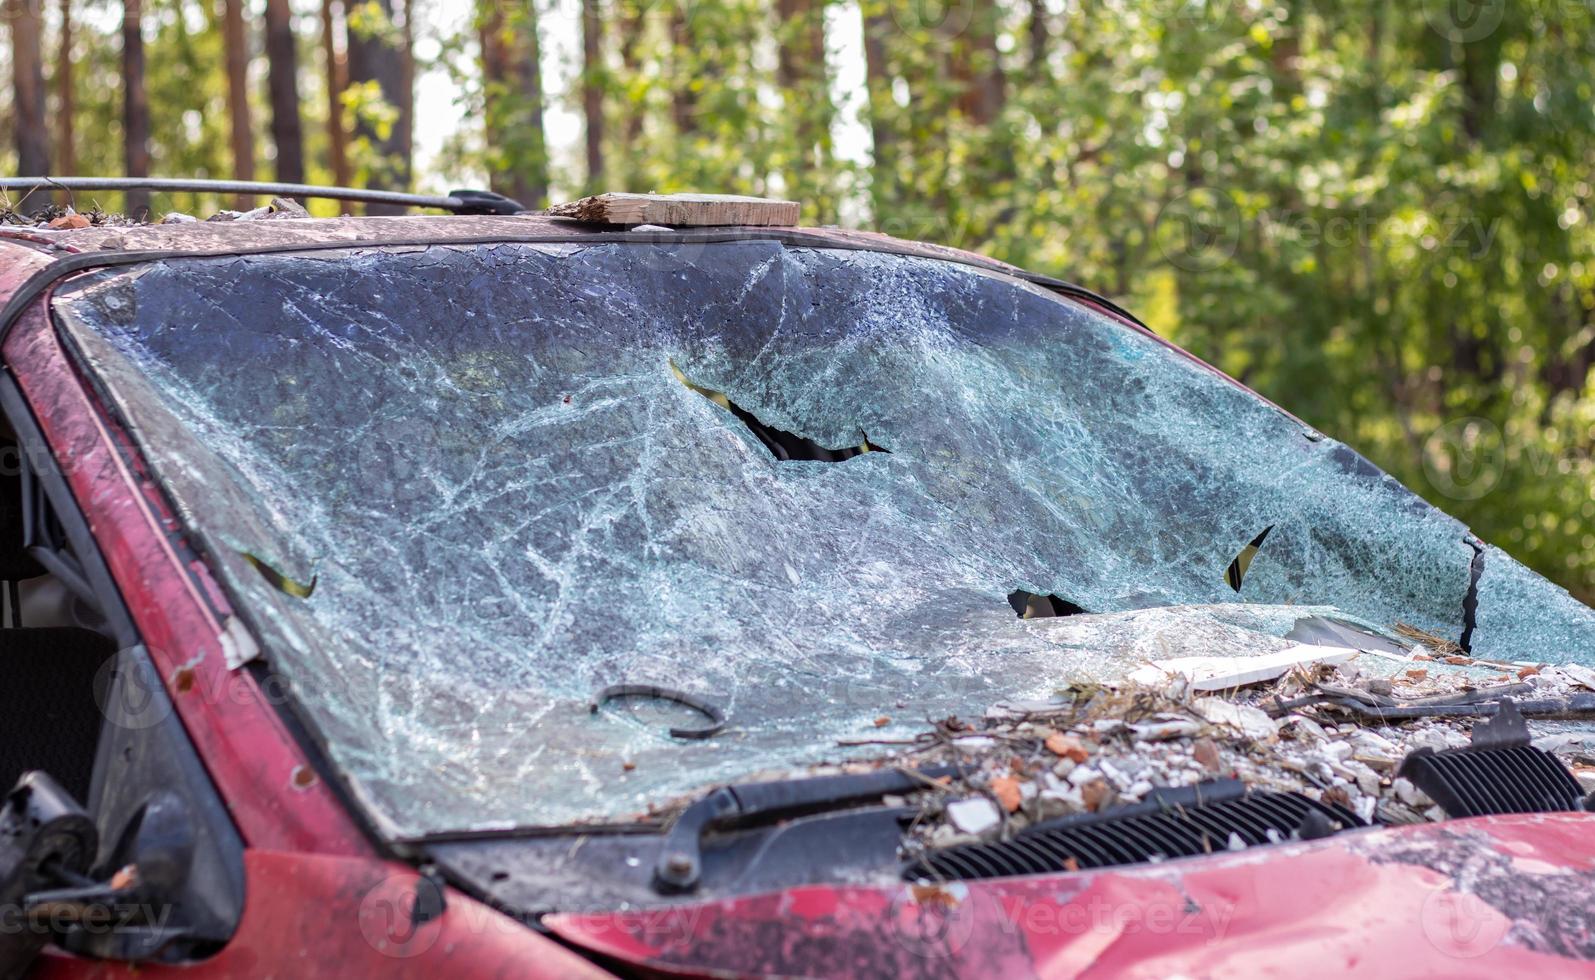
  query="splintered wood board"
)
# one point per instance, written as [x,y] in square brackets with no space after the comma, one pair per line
[678,210]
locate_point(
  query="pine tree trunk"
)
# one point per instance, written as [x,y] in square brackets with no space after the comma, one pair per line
[236,45]
[135,107]
[65,99]
[978,65]
[882,112]
[530,185]
[406,123]
[593,93]
[1040,37]
[512,77]
[683,103]
[375,57]
[491,37]
[27,70]
[800,72]
[337,81]
[283,84]
[632,113]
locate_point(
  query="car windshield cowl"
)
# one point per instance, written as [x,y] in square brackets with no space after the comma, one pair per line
[459,491]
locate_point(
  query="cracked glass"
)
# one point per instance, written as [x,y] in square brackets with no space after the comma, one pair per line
[477,484]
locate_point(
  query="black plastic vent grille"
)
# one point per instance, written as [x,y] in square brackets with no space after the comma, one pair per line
[1474,781]
[1168,831]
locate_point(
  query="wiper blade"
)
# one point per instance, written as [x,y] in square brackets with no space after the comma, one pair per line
[749,804]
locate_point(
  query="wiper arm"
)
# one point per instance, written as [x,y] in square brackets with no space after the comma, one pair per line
[748,804]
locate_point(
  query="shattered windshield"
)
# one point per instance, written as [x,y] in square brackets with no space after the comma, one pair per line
[459,490]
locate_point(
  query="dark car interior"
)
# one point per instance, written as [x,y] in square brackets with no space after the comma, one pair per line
[55,656]
[98,771]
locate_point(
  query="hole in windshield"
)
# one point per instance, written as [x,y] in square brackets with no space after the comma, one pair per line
[1236,572]
[784,445]
[1031,605]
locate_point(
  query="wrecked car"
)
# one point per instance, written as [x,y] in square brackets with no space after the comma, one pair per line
[535,596]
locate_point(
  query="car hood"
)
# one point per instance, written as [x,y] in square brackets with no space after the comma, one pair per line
[1490,896]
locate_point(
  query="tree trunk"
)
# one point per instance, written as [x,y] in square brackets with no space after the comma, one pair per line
[633,114]
[374,56]
[593,93]
[492,37]
[683,67]
[236,45]
[337,81]
[65,98]
[978,66]
[800,72]
[1039,38]
[512,81]
[882,111]
[283,85]
[27,70]
[135,107]
[406,123]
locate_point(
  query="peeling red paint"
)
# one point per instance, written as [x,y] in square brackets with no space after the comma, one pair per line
[315,915]
[1353,905]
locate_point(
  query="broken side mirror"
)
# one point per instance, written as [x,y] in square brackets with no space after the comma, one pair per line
[130,908]
[126,908]
[46,840]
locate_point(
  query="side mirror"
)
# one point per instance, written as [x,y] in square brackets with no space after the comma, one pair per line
[127,908]
[46,840]
[130,908]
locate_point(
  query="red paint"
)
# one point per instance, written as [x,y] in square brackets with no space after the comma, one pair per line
[1342,906]
[316,915]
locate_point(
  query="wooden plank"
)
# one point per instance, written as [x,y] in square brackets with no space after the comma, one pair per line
[678,210]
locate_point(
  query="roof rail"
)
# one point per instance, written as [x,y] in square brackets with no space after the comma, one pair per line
[459,202]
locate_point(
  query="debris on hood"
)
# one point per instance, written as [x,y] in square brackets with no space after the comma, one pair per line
[1222,673]
[1314,727]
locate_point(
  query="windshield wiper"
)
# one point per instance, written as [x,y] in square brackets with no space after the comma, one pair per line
[750,804]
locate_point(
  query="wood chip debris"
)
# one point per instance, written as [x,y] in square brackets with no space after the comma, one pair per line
[1095,747]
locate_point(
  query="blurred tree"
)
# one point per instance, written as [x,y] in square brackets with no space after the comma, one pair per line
[135,106]
[336,71]
[27,71]
[66,161]
[512,84]
[236,45]
[379,88]
[592,85]
[283,59]
[805,91]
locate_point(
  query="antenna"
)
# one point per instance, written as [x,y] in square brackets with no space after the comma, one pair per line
[459,202]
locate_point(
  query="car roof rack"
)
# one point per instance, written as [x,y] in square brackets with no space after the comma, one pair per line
[459,202]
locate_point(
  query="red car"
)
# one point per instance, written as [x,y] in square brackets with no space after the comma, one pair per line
[333,547]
